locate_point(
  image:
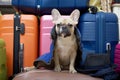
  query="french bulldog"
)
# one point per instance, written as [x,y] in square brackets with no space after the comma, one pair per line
[65,49]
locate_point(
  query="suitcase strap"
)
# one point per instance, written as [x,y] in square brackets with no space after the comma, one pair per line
[18,29]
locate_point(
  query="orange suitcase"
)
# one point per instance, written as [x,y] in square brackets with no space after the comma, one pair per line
[30,39]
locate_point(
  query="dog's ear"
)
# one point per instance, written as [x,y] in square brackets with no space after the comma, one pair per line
[55,14]
[75,15]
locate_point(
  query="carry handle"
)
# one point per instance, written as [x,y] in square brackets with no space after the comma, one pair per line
[21,28]
[108,47]
[92,9]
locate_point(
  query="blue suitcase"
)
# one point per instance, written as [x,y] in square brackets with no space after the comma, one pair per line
[96,31]
[45,6]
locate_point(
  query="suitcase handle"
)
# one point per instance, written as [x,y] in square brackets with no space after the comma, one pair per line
[92,9]
[21,28]
[108,47]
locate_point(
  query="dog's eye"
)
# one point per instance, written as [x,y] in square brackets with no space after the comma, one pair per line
[70,25]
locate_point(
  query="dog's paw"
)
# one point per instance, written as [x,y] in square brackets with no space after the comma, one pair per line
[57,69]
[72,70]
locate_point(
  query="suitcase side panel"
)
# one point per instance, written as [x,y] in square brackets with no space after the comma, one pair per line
[111,32]
[30,39]
[45,28]
[87,26]
[45,6]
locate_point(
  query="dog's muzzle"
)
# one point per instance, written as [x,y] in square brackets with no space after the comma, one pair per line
[64,31]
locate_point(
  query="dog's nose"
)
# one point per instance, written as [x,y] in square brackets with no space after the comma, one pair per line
[64,28]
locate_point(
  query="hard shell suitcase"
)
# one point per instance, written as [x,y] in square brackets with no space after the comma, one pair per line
[3,66]
[45,28]
[29,39]
[45,6]
[96,31]
[117,57]
[51,75]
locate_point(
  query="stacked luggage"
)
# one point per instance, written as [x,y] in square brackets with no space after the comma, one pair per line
[27,38]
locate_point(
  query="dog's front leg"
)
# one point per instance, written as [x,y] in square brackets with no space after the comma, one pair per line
[57,63]
[72,62]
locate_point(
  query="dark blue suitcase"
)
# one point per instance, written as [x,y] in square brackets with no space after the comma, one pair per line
[45,6]
[96,31]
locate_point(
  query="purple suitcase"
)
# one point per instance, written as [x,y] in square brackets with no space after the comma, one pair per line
[117,57]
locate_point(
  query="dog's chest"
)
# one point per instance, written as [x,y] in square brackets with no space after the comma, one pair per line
[65,47]
[66,44]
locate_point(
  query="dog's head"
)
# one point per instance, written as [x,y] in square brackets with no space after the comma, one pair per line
[65,26]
